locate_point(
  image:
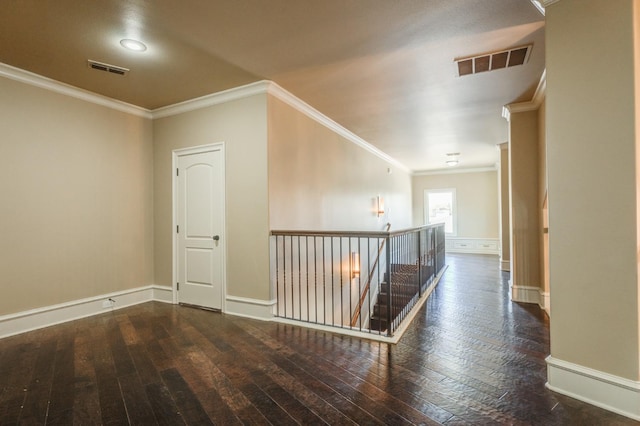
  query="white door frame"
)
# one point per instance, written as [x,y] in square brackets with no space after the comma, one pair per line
[174,223]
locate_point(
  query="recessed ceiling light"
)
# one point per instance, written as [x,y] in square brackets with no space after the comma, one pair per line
[135,45]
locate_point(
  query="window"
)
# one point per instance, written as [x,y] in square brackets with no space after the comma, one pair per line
[440,207]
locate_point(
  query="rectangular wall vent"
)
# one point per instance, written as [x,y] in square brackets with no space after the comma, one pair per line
[100,66]
[493,61]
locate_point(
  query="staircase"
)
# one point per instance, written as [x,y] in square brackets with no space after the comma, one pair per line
[404,291]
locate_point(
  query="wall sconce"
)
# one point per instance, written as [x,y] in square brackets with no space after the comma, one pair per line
[380,202]
[355,264]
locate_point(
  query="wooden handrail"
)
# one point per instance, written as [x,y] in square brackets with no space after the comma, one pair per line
[356,313]
[363,234]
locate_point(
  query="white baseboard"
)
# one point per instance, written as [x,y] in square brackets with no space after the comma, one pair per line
[34,319]
[545,301]
[525,294]
[250,308]
[471,245]
[530,294]
[603,390]
[162,294]
[505,265]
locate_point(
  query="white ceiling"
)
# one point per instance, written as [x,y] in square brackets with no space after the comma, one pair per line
[383,69]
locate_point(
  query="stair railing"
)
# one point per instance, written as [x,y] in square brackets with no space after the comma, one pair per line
[365,290]
[316,278]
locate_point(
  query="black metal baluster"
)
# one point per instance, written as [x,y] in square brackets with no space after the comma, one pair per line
[324,284]
[293,304]
[333,300]
[388,313]
[277,278]
[284,274]
[306,270]
[419,262]
[369,282]
[315,277]
[299,280]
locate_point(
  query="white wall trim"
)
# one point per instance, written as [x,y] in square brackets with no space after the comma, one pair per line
[595,387]
[548,3]
[507,110]
[273,89]
[530,294]
[251,89]
[505,265]
[532,105]
[34,319]
[545,302]
[314,114]
[525,294]
[455,170]
[162,293]
[235,93]
[46,83]
[345,331]
[541,90]
[250,308]
[459,244]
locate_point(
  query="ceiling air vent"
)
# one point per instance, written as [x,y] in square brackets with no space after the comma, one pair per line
[493,61]
[100,66]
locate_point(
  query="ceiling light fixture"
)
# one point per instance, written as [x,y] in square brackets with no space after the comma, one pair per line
[135,45]
[452,159]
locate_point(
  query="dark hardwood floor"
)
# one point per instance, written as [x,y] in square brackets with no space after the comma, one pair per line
[470,357]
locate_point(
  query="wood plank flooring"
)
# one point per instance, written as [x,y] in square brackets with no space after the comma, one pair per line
[470,357]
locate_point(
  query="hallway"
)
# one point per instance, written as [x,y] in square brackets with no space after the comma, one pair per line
[470,357]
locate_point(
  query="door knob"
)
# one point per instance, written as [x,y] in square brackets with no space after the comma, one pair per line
[216,238]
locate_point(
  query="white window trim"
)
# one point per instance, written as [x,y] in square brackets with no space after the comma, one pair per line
[454,207]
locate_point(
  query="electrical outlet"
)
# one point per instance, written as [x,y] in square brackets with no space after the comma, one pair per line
[108,303]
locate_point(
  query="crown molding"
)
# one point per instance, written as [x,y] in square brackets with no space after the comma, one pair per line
[542,5]
[46,83]
[248,90]
[533,104]
[541,90]
[275,90]
[455,171]
[256,88]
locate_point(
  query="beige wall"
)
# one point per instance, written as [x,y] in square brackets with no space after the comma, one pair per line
[319,180]
[476,199]
[525,206]
[505,224]
[242,126]
[542,194]
[77,199]
[542,152]
[593,214]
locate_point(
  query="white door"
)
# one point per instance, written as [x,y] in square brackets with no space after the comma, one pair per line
[199,231]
